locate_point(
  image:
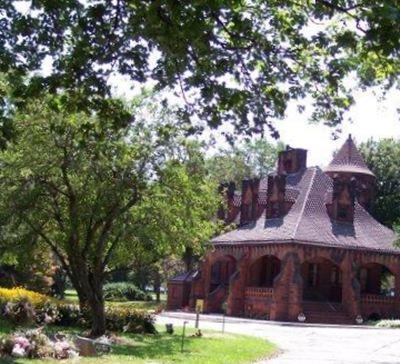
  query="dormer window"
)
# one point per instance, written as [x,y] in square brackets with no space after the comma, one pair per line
[275,210]
[247,212]
[342,212]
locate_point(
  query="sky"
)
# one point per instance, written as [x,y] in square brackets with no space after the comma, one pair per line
[369,117]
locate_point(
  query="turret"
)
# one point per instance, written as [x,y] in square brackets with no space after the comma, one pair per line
[351,179]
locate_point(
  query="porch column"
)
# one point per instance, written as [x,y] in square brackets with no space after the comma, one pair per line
[288,290]
[237,287]
[395,269]
[351,290]
[198,290]
[206,276]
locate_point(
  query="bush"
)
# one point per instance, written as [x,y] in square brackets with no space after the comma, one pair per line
[23,307]
[17,294]
[130,320]
[393,324]
[70,315]
[19,313]
[124,291]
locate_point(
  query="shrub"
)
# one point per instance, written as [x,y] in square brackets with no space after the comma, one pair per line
[23,307]
[394,324]
[19,313]
[129,320]
[124,291]
[47,314]
[17,294]
[120,319]
[70,315]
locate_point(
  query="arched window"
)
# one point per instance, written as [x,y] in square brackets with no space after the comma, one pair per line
[221,271]
[322,280]
[376,279]
[263,271]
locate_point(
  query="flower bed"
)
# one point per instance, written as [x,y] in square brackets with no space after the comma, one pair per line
[36,344]
[17,294]
[26,308]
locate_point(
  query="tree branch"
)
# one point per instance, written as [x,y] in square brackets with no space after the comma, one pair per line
[53,246]
[111,250]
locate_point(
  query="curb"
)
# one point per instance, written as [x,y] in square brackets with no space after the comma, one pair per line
[238,320]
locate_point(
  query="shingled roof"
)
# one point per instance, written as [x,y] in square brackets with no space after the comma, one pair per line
[348,159]
[308,220]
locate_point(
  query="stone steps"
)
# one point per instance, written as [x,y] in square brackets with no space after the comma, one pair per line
[323,312]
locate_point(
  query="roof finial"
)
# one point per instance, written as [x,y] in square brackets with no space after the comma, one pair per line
[349,138]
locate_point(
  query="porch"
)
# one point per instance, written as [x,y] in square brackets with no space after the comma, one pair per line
[269,287]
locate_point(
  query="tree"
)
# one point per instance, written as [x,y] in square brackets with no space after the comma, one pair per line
[196,226]
[382,157]
[31,267]
[94,192]
[236,61]
[251,159]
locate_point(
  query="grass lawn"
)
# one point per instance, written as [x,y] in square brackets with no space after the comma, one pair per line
[212,348]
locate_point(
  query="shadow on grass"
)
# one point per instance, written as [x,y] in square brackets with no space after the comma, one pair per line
[156,346]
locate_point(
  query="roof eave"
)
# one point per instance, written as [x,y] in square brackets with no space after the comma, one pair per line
[308,242]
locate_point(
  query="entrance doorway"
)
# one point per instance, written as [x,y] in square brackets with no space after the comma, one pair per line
[322,281]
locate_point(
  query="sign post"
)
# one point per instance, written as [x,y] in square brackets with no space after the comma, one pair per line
[223,316]
[199,309]
[183,335]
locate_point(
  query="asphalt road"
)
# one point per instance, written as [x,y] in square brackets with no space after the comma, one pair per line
[311,344]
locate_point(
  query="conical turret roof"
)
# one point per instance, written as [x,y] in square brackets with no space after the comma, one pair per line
[348,159]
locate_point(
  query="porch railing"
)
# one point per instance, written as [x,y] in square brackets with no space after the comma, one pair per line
[376,298]
[259,292]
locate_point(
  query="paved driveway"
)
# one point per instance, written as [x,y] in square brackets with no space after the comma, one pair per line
[312,344]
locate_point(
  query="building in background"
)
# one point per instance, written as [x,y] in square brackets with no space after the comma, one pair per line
[305,246]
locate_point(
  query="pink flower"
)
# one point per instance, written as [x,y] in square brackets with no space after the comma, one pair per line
[22,341]
[18,351]
[48,319]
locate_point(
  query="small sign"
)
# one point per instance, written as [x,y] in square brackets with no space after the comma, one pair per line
[199,305]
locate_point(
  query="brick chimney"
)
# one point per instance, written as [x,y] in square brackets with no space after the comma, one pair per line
[228,211]
[292,160]
[276,196]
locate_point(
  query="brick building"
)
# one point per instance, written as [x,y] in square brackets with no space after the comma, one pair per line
[304,243]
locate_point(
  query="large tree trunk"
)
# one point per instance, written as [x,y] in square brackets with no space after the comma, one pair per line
[98,317]
[91,302]
[96,302]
